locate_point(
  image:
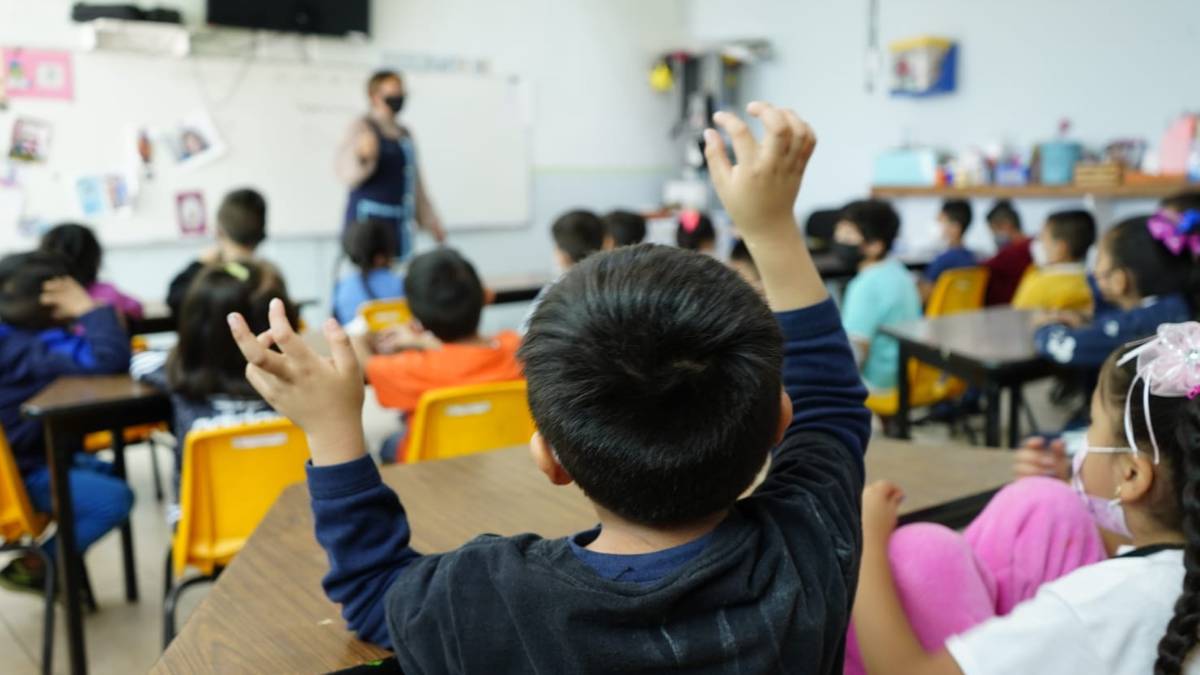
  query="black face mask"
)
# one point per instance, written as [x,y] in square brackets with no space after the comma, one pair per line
[849,254]
[395,103]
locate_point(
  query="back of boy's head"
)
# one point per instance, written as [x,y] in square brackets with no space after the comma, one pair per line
[242,216]
[78,247]
[1003,214]
[958,211]
[444,294]
[206,360]
[626,227]
[694,231]
[1182,201]
[654,374]
[22,276]
[578,234]
[367,241]
[875,219]
[1076,228]
[1155,269]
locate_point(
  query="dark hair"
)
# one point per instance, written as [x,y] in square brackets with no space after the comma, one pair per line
[379,77]
[741,252]
[703,233]
[1004,212]
[958,211]
[626,227]
[875,219]
[444,294]
[1182,201]
[78,247]
[578,233]
[21,278]
[1175,502]
[366,241]
[654,374]
[242,216]
[1076,227]
[206,360]
[1155,270]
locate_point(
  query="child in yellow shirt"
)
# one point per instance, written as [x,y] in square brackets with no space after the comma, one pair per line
[1059,282]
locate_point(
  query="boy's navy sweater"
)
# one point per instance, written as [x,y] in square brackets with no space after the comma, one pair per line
[770,592]
[32,359]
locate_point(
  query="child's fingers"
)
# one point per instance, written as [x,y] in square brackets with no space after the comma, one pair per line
[744,147]
[340,348]
[718,161]
[804,141]
[283,334]
[262,381]
[256,354]
[777,133]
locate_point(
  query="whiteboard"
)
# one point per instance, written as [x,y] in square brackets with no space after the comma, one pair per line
[281,123]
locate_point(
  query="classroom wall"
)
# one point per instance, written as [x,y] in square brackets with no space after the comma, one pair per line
[599,134]
[1115,68]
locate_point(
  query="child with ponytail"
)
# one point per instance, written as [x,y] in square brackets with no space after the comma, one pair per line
[1026,588]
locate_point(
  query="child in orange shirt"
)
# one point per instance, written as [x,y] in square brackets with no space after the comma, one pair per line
[446,349]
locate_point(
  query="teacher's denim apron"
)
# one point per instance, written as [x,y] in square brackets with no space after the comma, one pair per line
[390,193]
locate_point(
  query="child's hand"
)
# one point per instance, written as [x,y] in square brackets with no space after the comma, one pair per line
[1035,458]
[881,510]
[759,192]
[66,299]
[324,396]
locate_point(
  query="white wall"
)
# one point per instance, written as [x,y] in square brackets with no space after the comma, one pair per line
[599,134]
[1115,68]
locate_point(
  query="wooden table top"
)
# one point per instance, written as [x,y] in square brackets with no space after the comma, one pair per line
[994,337]
[268,614]
[88,393]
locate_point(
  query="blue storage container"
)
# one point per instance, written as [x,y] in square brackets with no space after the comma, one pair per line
[1057,161]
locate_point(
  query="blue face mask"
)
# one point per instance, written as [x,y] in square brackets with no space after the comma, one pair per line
[1108,513]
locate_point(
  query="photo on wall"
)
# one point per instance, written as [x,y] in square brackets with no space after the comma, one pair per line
[190,213]
[30,140]
[194,141]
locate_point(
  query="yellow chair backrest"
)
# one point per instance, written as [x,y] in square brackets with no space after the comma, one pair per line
[958,290]
[17,518]
[385,313]
[464,420]
[230,478]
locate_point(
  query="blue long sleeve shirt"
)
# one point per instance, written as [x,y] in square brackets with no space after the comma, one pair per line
[1088,346]
[770,590]
[32,359]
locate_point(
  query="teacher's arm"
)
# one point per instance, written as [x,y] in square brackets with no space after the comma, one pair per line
[427,217]
[357,155]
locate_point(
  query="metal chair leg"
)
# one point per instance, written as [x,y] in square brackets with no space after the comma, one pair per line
[1029,418]
[172,601]
[48,609]
[85,579]
[158,488]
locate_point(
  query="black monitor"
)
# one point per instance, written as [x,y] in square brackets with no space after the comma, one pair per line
[319,17]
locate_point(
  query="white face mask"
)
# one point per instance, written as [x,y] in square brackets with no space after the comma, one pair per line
[1038,251]
[1107,513]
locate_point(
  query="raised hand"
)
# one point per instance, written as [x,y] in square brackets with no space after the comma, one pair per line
[1037,458]
[322,395]
[881,510]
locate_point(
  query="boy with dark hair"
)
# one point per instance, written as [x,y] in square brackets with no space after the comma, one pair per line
[883,291]
[446,349]
[1060,281]
[660,384]
[1013,254]
[743,263]
[577,234]
[625,228]
[955,218]
[51,327]
[241,227]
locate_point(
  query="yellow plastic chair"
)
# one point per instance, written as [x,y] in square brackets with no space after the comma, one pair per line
[20,526]
[230,478]
[385,313]
[956,291]
[457,421]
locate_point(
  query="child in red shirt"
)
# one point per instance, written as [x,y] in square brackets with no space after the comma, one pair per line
[446,299]
[1013,256]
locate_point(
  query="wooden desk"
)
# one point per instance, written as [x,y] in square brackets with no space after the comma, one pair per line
[268,614]
[992,349]
[831,267]
[69,408]
[516,288]
[157,317]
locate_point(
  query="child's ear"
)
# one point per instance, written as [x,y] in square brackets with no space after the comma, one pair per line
[543,456]
[1135,477]
[785,415]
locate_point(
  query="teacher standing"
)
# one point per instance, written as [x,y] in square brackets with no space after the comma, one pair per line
[378,161]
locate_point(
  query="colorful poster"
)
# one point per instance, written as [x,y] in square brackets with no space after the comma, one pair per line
[38,73]
[190,213]
[103,194]
[30,140]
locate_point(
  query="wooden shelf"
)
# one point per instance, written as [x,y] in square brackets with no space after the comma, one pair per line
[1137,191]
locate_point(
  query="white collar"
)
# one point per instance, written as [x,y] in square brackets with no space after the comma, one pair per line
[1063,268]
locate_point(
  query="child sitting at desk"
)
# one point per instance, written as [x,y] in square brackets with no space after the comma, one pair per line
[78,246]
[577,234]
[955,218]
[446,350]
[695,232]
[1013,254]
[1146,271]
[625,228]
[661,384]
[40,303]
[371,245]
[1060,280]
[882,293]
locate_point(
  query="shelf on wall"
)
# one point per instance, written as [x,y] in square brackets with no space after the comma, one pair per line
[1136,191]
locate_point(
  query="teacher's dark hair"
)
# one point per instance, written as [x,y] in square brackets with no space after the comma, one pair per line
[379,77]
